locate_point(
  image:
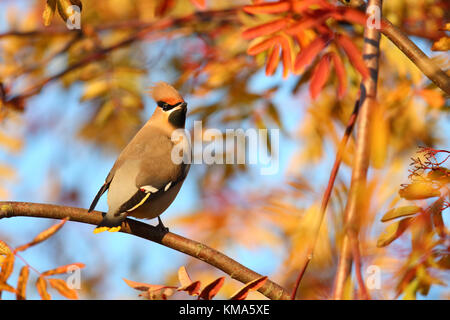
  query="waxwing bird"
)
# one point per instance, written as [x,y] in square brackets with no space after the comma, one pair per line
[145,179]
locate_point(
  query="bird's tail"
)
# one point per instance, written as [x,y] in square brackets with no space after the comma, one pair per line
[110,223]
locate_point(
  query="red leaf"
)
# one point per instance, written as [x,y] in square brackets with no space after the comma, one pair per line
[265,29]
[353,54]
[192,288]
[212,289]
[200,4]
[340,73]
[242,293]
[307,55]
[272,60]
[306,23]
[320,76]
[301,6]
[350,15]
[263,45]
[272,7]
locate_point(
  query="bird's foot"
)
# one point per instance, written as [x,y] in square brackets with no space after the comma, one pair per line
[102,229]
[161,227]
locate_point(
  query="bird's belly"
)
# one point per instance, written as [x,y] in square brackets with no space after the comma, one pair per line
[154,207]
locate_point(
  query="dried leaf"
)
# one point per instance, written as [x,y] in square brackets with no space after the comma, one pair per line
[62,287]
[22,283]
[354,55]
[265,29]
[400,212]
[393,231]
[192,289]
[145,286]
[443,44]
[212,289]
[41,286]
[63,269]
[44,235]
[242,293]
[183,277]
[272,7]
[320,76]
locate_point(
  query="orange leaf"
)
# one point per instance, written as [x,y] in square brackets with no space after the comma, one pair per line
[63,269]
[272,60]
[353,54]
[212,289]
[306,23]
[200,4]
[4,248]
[192,288]
[242,293]
[265,29]
[44,235]
[272,7]
[41,286]
[263,45]
[320,76]
[307,55]
[286,57]
[340,73]
[145,286]
[350,15]
[433,98]
[22,283]
[7,267]
[6,287]
[62,287]
[301,6]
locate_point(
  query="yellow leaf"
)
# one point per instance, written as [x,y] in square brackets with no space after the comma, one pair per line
[400,212]
[49,12]
[418,191]
[7,267]
[4,249]
[44,235]
[392,232]
[63,269]
[94,89]
[443,44]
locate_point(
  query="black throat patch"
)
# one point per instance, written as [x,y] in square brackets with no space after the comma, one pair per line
[178,117]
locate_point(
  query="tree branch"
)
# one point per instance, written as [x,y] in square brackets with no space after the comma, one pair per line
[142,230]
[357,193]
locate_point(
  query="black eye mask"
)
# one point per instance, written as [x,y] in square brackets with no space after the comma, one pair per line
[166,107]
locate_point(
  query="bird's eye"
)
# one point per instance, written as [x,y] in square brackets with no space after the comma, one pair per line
[164,105]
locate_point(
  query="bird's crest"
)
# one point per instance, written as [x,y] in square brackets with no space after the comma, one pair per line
[162,91]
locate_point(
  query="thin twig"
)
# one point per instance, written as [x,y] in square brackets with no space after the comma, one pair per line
[139,229]
[326,197]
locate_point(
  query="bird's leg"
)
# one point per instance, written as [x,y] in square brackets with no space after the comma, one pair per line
[161,226]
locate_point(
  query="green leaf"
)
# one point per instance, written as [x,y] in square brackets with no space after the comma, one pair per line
[400,212]
[392,232]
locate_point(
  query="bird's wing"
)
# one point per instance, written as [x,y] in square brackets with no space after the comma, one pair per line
[157,172]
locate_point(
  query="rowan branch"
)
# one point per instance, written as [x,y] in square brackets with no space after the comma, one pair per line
[142,230]
[357,198]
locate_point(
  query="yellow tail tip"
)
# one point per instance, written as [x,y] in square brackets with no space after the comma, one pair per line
[102,229]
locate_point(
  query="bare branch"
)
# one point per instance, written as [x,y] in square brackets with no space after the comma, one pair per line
[139,229]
